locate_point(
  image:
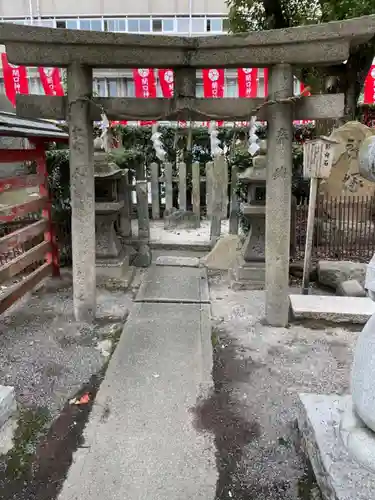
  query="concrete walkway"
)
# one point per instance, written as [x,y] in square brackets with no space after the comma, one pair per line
[140,442]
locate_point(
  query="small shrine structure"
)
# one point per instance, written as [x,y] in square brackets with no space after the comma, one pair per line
[278,50]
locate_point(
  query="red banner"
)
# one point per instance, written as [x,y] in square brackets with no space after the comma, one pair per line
[145,87]
[145,84]
[213,82]
[51,81]
[247,82]
[265,82]
[118,122]
[166,79]
[15,79]
[369,92]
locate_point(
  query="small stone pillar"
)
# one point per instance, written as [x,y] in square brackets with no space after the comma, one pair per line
[79,80]
[278,195]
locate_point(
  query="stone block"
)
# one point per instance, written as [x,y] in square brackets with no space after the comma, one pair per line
[351,288]
[169,211]
[336,309]
[247,275]
[169,260]
[363,374]
[8,403]
[339,475]
[114,273]
[182,219]
[224,254]
[332,273]
[143,257]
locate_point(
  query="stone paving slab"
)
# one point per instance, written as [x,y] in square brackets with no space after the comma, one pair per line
[170,260]
[337,309]
[140,442]
[338,474]
[174,284]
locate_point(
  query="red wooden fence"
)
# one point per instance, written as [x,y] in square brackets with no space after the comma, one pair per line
[43,256]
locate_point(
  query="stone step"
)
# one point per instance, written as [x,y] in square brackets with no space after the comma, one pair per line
[254,210]
[330,308]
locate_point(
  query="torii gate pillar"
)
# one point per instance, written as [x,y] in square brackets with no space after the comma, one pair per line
[82,189]
[278,195]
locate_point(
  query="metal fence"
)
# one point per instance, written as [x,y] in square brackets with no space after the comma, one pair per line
[344,228]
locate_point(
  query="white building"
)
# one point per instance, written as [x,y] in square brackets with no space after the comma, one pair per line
[177,17]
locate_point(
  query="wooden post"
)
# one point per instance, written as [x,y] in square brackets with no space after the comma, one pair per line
[182,185]
[234,205]
[168,186]
[142,203]
[82,189]
[124,193]
[155,201]
[314,182]
[209,167]
[219,195]
[196,188]
[52,257]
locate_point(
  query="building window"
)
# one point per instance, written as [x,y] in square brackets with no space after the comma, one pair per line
[35,86]
[225,25]
[145,25]
[133,25]
[47,23]
[99,87]
[198,25]
[116,25]
[183,25]
[91,24]
[129,87]
[214,24]
[231,88]
[113,87]
[168,25]
[60,23]
[157,25]
[199,92]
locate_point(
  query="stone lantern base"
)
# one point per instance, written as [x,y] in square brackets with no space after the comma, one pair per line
[114,273]
[340,448]
[112,259]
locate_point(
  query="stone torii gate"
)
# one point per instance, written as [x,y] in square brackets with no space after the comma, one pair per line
[279,50]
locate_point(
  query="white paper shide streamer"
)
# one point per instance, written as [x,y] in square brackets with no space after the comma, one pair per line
[158,145]
[253,138]
[216,150]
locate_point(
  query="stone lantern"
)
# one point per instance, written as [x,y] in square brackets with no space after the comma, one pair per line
[112,259]
[250,269]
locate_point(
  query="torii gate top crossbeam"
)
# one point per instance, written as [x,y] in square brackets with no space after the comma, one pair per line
[328,43]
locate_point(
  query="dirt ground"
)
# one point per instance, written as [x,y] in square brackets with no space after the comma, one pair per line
[258,373]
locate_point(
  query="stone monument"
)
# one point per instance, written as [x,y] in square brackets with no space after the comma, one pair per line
[249,270]
[112,258]
[338,432]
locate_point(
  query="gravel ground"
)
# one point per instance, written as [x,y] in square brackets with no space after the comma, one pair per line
[258,373]
[45,354]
